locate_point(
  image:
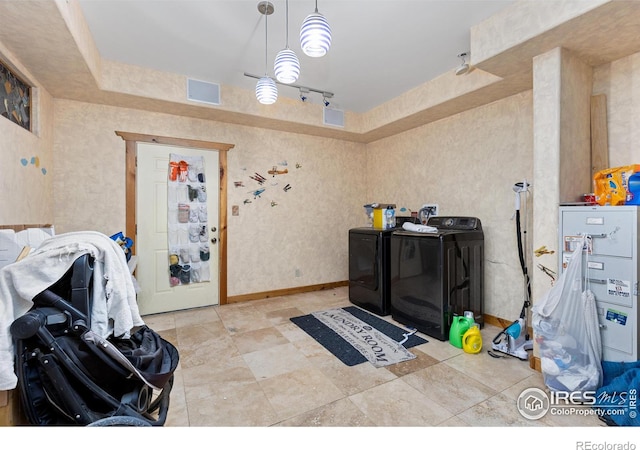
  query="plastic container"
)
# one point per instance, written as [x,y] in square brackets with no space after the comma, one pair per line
[368,209]
[384,216]
[472,340]
[459,326]
[611,185]
[633,188]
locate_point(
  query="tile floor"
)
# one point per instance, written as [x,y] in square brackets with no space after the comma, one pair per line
[248,365]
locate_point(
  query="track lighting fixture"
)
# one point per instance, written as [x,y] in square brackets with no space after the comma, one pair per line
[303,90]
[303,94]
[315,40]
[464,67]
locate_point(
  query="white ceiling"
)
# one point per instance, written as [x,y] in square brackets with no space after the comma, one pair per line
[380,48]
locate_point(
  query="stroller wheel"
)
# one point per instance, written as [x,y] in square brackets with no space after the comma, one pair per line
[120,421]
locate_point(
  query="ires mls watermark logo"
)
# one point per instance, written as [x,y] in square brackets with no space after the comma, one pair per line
[534,403]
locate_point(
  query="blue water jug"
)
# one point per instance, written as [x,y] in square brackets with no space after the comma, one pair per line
[633,190]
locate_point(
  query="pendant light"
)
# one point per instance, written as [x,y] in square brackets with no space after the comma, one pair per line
[266,89]
[287,65]
[315,35]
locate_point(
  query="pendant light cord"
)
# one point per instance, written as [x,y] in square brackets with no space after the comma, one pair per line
[266,22]
[287,23]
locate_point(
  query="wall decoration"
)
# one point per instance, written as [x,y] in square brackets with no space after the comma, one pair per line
[187,221]
[257,193]
[35,161]
[15,98]
[276,171]
[259,178]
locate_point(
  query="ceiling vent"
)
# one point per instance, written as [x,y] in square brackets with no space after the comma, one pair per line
[203,92]
[333,117]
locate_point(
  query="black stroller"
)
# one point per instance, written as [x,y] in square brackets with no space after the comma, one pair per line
[69,375]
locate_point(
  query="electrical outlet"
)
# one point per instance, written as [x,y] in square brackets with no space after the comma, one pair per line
[298,273]
[431,208]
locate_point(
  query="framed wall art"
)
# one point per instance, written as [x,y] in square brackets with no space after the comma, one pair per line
[15,98]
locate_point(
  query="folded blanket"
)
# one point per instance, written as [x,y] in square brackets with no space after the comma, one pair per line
[115,309]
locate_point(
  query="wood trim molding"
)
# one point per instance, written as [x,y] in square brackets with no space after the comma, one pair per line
[165,140]
[11,413]
[131,141]
[222,233]
[535,363]
[288,291]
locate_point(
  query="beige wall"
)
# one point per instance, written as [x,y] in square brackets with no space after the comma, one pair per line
[620,82]
[467,164]
[306,230]
[26,159]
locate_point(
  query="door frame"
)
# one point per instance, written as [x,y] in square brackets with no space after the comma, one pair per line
[131,141]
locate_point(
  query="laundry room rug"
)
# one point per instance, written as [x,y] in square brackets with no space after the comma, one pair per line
[354,336]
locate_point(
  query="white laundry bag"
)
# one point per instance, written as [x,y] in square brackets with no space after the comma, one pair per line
[567,331]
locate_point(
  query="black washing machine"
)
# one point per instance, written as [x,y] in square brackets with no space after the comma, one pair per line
[369,268]
[437,274]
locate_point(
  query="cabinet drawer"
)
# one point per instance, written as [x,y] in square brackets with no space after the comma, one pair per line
[612,231]
[617,330]
[612,280]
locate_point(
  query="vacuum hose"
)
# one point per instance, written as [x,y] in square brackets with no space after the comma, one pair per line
[523,264]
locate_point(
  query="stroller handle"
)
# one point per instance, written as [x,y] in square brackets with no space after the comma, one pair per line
[27,326]
[50,298]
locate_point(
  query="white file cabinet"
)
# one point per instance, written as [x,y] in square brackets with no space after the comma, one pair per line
[612,270]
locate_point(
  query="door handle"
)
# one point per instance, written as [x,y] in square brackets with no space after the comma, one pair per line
[214,240]
[214,229]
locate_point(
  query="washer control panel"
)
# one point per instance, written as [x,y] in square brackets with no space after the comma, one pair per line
[454,223]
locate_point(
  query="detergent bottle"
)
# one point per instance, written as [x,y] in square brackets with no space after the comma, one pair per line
[472,340]
[459,327]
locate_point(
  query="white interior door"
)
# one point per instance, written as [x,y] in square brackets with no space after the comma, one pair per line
[152,240]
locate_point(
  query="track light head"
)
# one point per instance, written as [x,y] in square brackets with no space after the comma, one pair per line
[464,67]
[304,92]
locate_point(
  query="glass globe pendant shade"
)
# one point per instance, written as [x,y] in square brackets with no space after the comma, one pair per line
[287,66]
[266,91]
[315,35]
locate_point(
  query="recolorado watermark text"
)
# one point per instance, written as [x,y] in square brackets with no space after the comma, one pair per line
[590,445]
